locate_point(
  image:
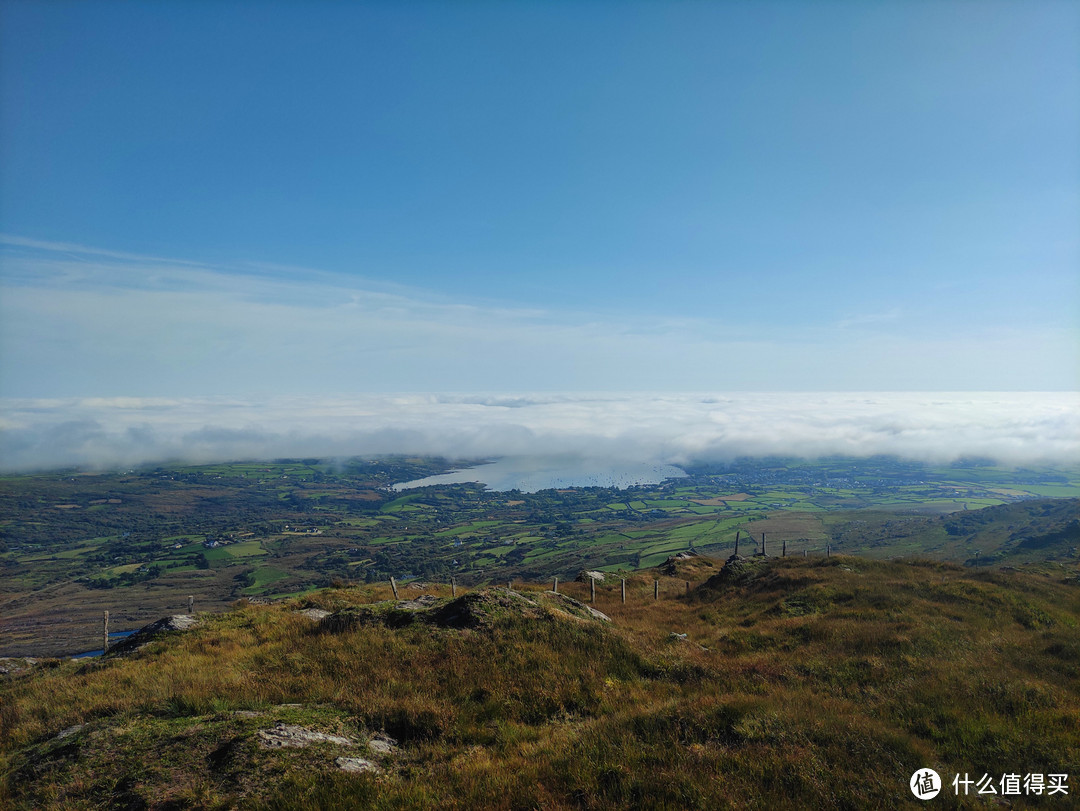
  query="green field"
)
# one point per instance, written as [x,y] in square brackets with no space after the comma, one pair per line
[264,576]
[264,517]
[247,549]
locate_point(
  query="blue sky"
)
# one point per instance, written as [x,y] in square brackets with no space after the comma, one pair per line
[214,198]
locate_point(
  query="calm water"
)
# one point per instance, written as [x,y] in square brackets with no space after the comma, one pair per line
[530,474]
[112,636]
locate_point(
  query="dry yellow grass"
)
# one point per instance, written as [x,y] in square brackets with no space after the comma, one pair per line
[804,684]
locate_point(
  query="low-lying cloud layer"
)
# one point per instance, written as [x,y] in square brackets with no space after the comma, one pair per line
[1013,428]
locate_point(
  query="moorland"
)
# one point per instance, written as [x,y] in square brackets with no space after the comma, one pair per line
[772,683]
[881,618]
[139,543]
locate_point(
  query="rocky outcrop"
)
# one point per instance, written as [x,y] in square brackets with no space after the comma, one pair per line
[484,608]
[357,765]
[151,632]
[297,737]
[392,613]
[315,614]
[670,566]
[382,744]
[477,609]
[586,576]
[575,608]
[349,618]
[481,609]
[10,666]
[69,731]
[421,603]
[738,570]
[294,736]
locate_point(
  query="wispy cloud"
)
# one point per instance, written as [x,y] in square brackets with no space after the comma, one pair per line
[77,321]
[870,318]
[73,250]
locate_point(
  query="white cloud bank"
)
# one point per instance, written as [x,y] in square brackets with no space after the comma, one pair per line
[645,428]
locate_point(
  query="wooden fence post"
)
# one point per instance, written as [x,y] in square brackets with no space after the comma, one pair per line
[510,584]
[736,542]
[687,586]
[783,554]
[828,550]
[592,589]
[624,591]
[190,604]
[656,589]
[804,553]
[555,586]
[105,636]
[453,587]
[393,585]
[764,548]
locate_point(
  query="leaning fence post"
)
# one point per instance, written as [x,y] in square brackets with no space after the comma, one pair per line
[736,542]
[687,586]
[624,591]
[105,636]
[656,589]
[393,585]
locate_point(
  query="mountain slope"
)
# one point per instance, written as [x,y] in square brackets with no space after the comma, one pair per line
[1023,533]
[801,683]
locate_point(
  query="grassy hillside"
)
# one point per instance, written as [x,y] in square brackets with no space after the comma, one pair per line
[800,683]
[138,543]
[1039,533]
